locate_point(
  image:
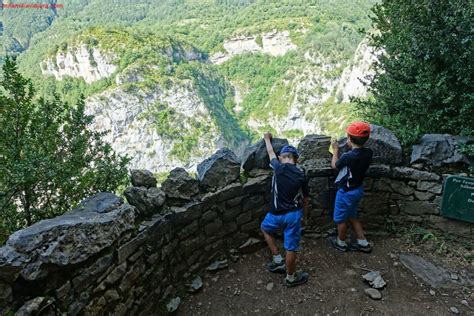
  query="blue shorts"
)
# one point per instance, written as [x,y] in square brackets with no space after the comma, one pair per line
[291,224]
[346,204]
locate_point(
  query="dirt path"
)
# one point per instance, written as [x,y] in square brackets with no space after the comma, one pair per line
[335,286]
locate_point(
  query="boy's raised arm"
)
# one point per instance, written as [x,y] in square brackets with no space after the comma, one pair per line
[268,143]
[335,153]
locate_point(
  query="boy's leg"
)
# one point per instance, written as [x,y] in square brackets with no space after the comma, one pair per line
[342,231]
[340,217]
[290,260]
[292,236]
[270,242]
[361,244]
[269,225]
[358,230]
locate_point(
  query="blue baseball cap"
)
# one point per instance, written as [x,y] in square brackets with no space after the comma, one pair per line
[289,149]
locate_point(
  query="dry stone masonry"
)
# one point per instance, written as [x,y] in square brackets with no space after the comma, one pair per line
[108,256]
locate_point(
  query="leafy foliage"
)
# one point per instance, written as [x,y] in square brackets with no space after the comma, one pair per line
[49,160]
[424,80]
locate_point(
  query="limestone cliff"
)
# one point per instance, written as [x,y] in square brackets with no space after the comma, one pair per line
[88,63]
[272,43]
[135,130]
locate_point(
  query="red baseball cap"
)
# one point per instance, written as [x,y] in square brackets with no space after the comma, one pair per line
[358,129]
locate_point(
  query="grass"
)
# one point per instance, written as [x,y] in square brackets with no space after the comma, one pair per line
[444,244]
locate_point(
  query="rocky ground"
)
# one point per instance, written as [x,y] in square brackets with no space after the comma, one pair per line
[336,285]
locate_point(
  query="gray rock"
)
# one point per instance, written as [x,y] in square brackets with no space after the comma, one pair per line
[417,207]
[219,170]
[11,264]
[195,285]
[440,149]
[69,239]
[147,201]
[34,306]
[256,157]
[379,171]
[143,178]
[269,286]
[251,245]
[5,295]
[454,310]
[173,304]
[179,185]
[432,187]
[373,294]
[436,276]
[414,174]
[314,147]
[217,265]
[385,145]
[317,167]
[374,279]
[423,196]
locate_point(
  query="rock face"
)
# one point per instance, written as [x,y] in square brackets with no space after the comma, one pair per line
[384,144]
[71,238]
[147,201]
[133,129]
[90,64]
[256,156]
[272,43]
[219,170]
[143,178]
[440,149]
[351,82]
[179,185]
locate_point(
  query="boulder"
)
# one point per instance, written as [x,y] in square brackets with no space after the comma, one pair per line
[72,238]
[143,178]
[384,144]
[440,149]
[180,185]
[147,201]
[219,170]
[256,157]
[314,147]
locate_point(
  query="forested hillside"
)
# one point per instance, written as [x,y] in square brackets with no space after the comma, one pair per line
[175,80]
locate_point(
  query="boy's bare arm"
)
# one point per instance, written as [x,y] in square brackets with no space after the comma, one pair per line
[335,153]
[268,144]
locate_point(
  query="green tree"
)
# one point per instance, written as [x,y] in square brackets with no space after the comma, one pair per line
[49,160]
[423,80]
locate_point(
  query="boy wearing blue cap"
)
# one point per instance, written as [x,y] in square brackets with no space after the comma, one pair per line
[285,212]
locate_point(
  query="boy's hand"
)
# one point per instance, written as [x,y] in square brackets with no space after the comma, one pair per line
[267,135]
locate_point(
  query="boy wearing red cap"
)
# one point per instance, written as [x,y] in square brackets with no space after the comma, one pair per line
[352,167]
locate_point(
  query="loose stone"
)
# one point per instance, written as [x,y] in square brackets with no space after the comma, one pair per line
[373,294]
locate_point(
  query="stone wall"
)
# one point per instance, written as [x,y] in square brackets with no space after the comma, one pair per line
[107,256]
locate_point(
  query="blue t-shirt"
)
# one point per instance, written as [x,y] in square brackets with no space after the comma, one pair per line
[287,181]
[352,168]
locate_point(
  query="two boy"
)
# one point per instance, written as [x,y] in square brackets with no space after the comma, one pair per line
[285,212]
